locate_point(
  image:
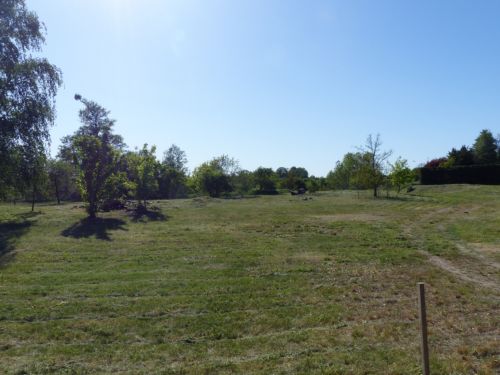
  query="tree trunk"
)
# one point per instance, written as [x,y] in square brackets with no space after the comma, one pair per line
[57,191]
[33,199]
[375,191]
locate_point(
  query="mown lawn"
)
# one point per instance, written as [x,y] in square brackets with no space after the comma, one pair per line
[324,285]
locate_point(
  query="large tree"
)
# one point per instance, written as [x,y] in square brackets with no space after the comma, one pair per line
[28,86]
[485,148]
[94,150]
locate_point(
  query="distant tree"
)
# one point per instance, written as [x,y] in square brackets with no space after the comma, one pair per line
[60,174]
[215,177]
[172,183]
[313,184]
[264,181]
[28,86]
[436,163]
[176,159]
[463,156]
[145,171]
[498,148]
[298,172]
[94,151]
[172,177]
[33,170]
[374,163]
[295,179]
[342,175]
[401,174]
[243,182]
[485,148]
[282,172]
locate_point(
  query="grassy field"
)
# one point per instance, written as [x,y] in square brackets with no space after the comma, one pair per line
[269,285]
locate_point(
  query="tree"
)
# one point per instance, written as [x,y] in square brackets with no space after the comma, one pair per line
[28,86]
[374,162]
[34,174]
[172,176]
[463,156]
[436,163]
[215,177]
[145,172]
[401,174]
[60,176]
[243,182]
[176,159]
[342,176]
[94,150]
[264,181]
[485,148]
[282,172]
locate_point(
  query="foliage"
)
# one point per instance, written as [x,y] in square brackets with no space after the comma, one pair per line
[372,168]
[215,177]
[28,86]
[485,148]
[172,177]
[62,179]
[243,182]
[342,177]
[436,163]
[464,156]
[401,174]
[144,169]
[94,150]
[172,182]
[264,179]
[175,158]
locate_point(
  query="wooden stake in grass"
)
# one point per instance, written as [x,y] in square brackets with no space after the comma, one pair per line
[423,328]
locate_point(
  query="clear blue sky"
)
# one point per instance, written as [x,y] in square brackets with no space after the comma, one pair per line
[280,83]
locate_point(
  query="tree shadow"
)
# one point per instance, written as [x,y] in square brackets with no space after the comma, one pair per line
[9,233]
[142,214]
[98,228]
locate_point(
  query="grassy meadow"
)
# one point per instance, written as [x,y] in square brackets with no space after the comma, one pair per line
[270,285]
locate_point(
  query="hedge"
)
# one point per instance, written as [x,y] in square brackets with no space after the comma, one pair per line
[470,174]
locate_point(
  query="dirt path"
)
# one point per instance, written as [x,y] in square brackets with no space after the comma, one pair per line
[471,272]
[459,272]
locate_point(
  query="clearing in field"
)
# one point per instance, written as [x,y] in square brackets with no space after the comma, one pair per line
[266,285]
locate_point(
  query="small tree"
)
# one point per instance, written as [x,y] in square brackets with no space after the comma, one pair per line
[374,162]
[145,171]
[401,174]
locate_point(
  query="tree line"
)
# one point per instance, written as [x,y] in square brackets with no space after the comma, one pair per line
[94,164]
[485,150]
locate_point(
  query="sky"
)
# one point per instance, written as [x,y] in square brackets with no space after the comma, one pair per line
[280,83]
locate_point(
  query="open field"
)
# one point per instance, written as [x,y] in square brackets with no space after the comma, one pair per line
[264,285]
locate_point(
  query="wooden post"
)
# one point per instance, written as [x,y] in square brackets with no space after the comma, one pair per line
[423,328]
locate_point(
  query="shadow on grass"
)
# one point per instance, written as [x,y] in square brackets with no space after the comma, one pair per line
[9,232]
[141,214]
[98,228]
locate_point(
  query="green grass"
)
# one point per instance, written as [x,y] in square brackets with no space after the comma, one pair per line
[263,285]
